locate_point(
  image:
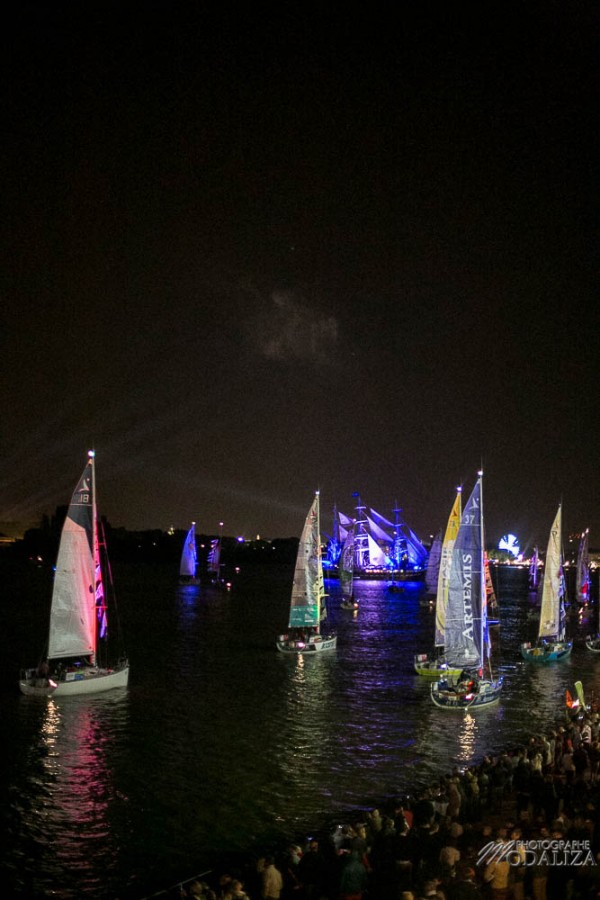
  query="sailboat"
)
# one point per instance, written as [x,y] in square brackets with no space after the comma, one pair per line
[433,666]
[189,558]
[582,575]
[213,563]
[551,644]
[346,570]
[490,593]
[307,606]
[466,640]
[78,616]
[534,572]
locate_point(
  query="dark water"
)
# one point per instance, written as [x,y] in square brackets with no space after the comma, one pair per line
[222,744]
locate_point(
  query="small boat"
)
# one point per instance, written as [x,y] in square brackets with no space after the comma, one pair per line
[78,632]
[189,558]
[308,609]
[551,645]
[435,665]
[466,637]
[346,572]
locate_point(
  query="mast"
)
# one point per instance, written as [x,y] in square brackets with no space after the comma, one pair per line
[95,550]
[484,637]
[361,535]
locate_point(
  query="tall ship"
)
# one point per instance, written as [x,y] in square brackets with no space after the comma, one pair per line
[383,549]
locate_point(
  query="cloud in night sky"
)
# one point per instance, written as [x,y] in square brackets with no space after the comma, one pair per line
[293,331]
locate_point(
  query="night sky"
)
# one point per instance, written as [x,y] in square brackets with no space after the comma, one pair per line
[251,254]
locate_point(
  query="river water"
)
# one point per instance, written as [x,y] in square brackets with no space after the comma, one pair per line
[220,743]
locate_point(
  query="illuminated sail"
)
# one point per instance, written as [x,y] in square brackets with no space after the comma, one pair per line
[187,566]
[73,616]
[347,565]
[552,614]
[377,557]
[465,639]
[308,586]
[214,556]
[444,571]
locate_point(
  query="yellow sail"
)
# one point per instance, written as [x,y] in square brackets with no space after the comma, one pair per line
[445,563]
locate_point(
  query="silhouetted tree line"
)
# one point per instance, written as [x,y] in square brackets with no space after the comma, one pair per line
[153,546]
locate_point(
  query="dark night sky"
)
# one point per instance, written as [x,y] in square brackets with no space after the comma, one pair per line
[250,254]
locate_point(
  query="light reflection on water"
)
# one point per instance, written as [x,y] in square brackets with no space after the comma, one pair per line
[223,743]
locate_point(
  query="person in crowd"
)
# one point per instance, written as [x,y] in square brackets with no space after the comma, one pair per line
[271,879]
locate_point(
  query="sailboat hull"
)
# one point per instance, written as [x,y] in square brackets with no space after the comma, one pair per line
[91,680]
[448,696]
[545,653]
[434,668]
[314,644]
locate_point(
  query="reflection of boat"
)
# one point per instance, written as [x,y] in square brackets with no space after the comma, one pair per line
[78,614]
[466,637]
[432,667]
[189,558]
[307,606]
[551,644]
[346,570]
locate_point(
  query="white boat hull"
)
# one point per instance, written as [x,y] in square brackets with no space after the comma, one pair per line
[89,681]
[485,693]
[314,644]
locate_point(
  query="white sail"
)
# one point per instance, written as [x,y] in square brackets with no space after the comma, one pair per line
[73,613]
[308,586]
[450,534]
[552,623]
[376,555]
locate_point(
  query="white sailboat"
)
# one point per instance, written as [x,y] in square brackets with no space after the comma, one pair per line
[551,644]
[346,569]
[189,558]
[466,639]
[436,664]
[78,633]
[307,606]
